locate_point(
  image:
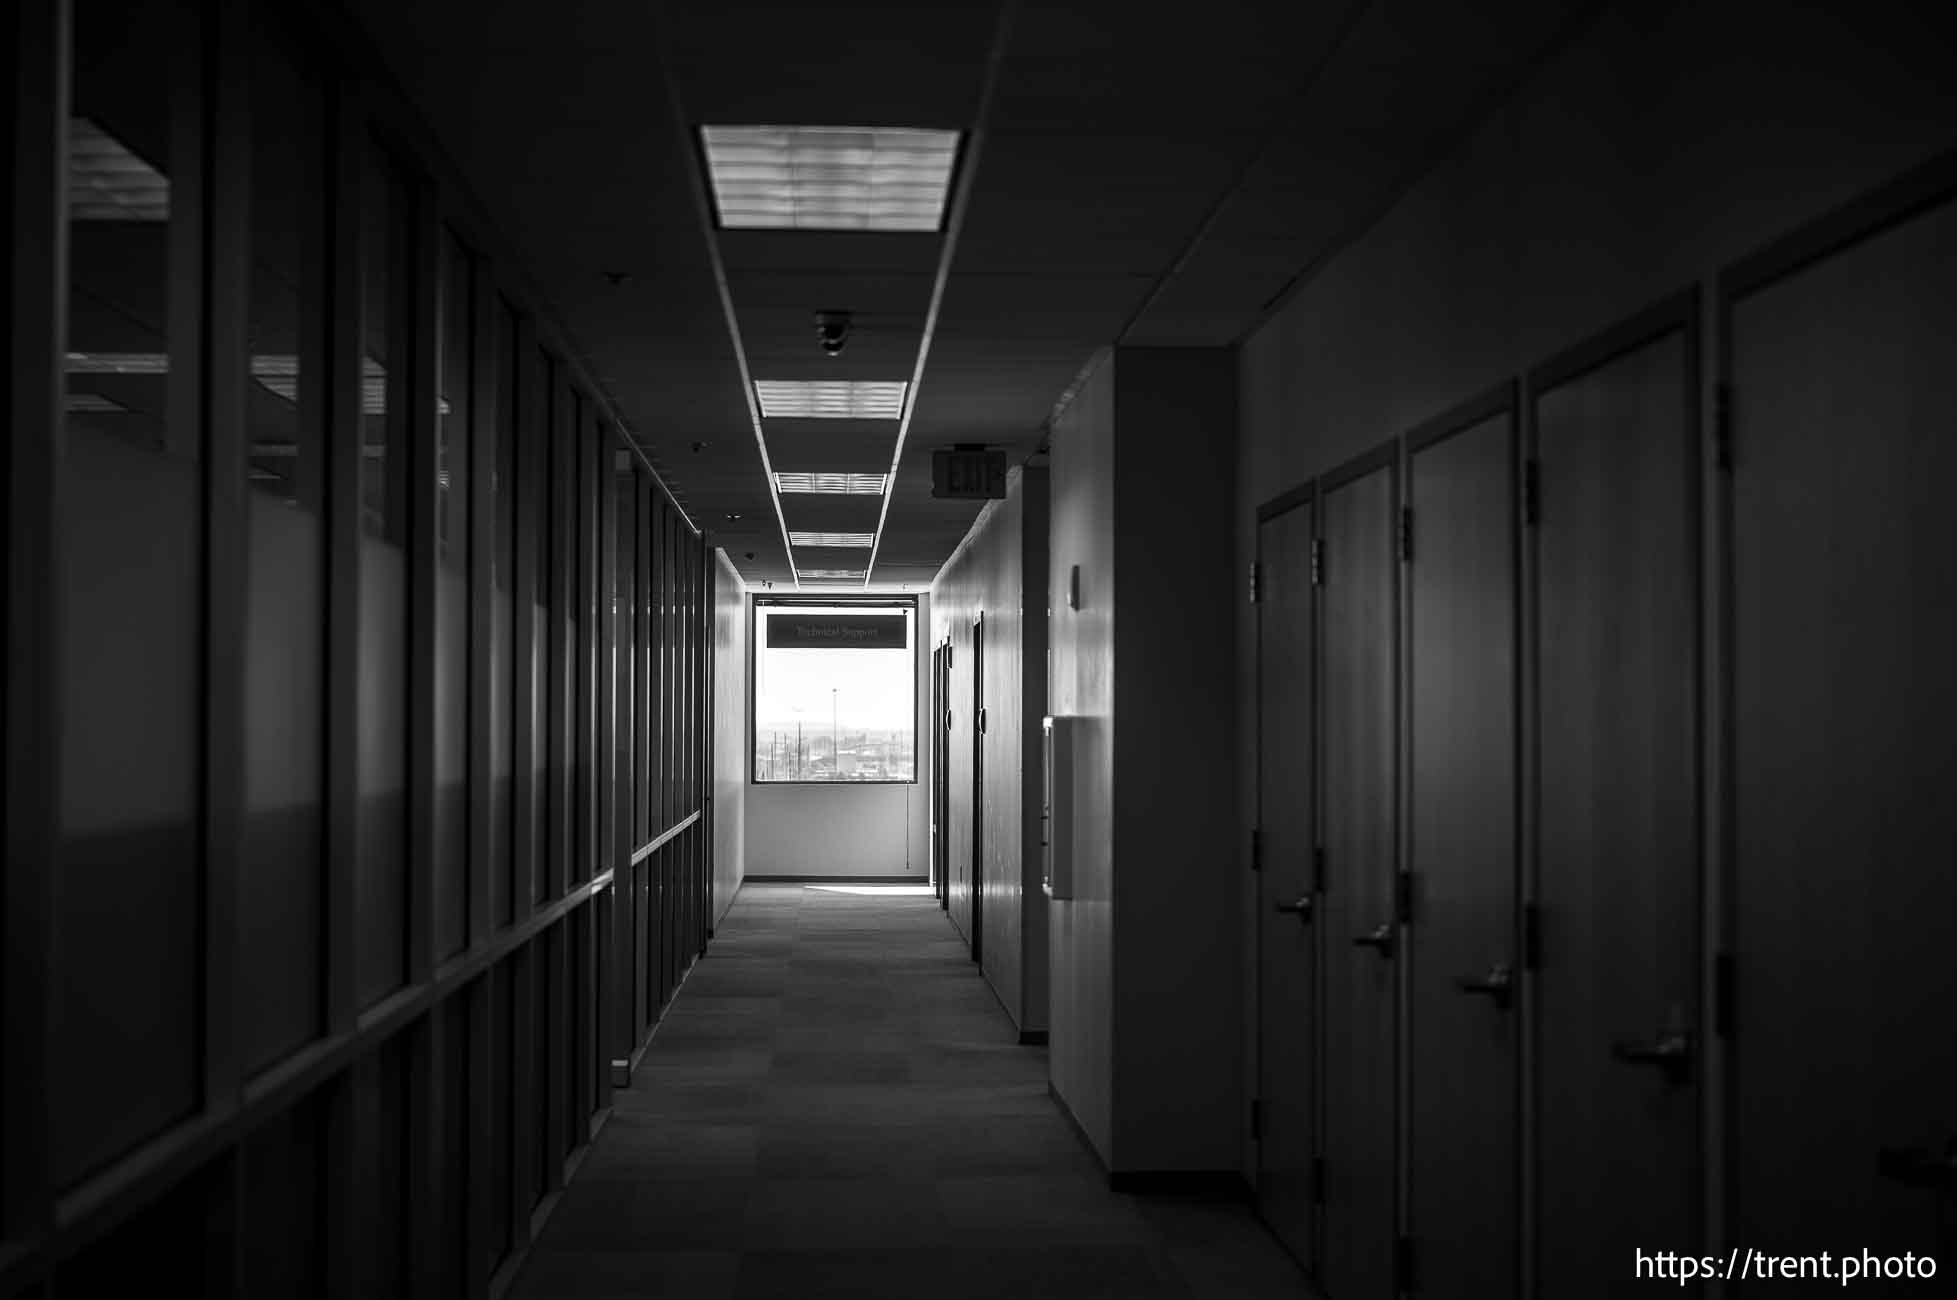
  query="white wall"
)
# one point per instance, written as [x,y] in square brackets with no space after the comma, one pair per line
[1177,1088]
[1146,1003]
[1080,685]
[844,829]
[1665,141]
[1000,569]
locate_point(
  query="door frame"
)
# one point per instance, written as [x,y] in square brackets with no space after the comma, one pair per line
[1305,494]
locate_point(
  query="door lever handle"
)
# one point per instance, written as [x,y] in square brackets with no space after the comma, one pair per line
[1669,1053]
[1919,1167]
[1380,940]
[1300,909]
[1498,985]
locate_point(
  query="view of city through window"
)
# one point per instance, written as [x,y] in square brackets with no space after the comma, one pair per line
[835,693]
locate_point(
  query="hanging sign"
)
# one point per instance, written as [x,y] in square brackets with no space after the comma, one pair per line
[968,473]
[792,631]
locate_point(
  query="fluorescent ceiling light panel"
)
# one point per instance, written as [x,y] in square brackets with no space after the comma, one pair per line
[829,575]
[831,399]
[829,177]
[855,485]
[107,182]
[863,540]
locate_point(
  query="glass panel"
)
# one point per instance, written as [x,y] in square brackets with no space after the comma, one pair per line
[501,1087]
[455,357]
[384,490]
[624,603]
[503,698]
[644,674]
[574,836]
[591,451]
[835,693]
[284,661]
[662,720]
[542,966]
[535,478]
[127,898]
[675,719]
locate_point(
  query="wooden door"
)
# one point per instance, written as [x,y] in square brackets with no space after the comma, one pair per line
[1843,350]
[1617,830]
[1360,925]
[944,777]
[1462,959]
[978,787]
[1287,947]
[937,716]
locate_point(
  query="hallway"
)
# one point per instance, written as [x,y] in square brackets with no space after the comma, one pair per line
[1355,591]
[835,1106]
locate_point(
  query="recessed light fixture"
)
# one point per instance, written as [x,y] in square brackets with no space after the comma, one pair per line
[855,485]
[831,399]
[863,540]
[829,177]
[829,575]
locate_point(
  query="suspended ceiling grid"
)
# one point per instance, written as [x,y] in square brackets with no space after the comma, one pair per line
[1139,177]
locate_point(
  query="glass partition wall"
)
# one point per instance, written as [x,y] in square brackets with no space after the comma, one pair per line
[362,656]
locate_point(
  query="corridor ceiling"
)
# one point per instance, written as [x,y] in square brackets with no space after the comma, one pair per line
[1143,174]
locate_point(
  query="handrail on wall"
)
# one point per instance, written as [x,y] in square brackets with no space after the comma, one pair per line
[645,850]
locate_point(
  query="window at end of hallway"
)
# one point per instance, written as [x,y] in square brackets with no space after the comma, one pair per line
[835,692]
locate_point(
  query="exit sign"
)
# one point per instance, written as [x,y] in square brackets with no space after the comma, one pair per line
[969,472]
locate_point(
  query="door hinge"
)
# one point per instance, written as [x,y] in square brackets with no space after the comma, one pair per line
[1256,1118]
[1318,867]
[1531,493]
[1318,561]
[1406,534]
[1403,897]
[1318,1180]
[1256,849]
[1403,1251]
[1722,426]
[1255,574]
[1722,994]
[1531,937]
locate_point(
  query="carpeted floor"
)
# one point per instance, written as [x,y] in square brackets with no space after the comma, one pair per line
[835,1105]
